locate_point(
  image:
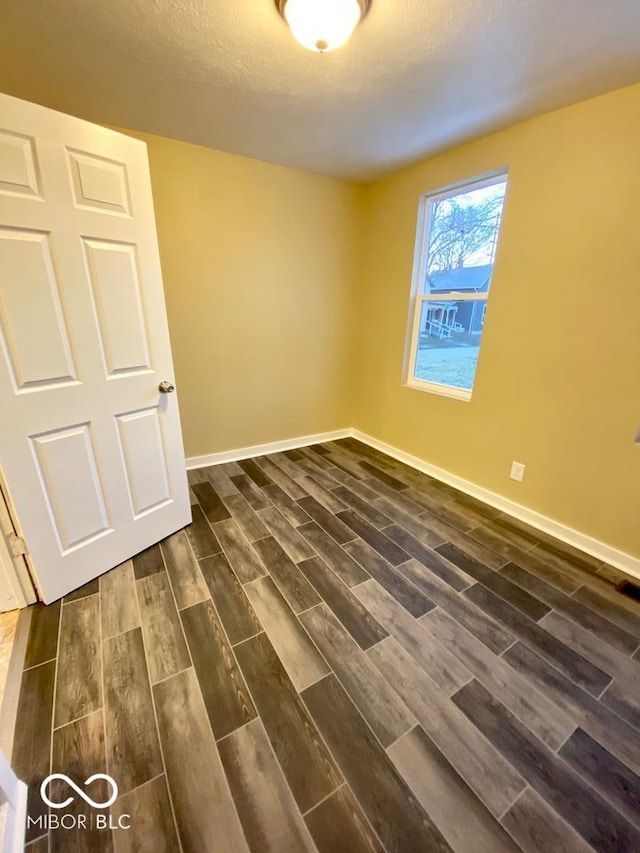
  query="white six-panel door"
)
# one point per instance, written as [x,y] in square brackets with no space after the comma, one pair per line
[90,449]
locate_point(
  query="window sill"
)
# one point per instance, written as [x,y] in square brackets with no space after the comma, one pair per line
[441,390]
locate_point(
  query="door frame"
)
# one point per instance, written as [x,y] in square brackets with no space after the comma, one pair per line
[14,571]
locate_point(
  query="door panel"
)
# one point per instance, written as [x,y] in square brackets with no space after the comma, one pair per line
[113,271]
[99,184]
[91,451]
[36,345]
[143,454]
[18,174]
[77,505]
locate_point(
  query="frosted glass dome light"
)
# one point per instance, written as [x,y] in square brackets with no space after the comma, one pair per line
[323,25]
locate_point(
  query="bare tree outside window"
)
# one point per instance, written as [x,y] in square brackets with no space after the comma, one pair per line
[462,228]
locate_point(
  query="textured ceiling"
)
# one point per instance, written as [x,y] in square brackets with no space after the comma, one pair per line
[417,76]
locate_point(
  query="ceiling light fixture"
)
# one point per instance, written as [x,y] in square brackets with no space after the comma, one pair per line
[323,25]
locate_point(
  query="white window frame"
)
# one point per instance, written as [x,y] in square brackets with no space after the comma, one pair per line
[418,298]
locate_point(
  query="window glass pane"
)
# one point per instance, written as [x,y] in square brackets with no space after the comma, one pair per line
[449,342]
[462,240]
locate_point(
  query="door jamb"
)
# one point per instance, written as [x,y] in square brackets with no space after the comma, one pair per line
[15,569]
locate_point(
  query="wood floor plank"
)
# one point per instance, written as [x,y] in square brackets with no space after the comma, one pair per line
[497,542]
[268,812]
[537,827]
[294,514]
[148,562]
[255,473]
[298,592]
[133,749]
[329,500]
[377,539]
[591,816]
[392,810]
[613,606]
[40,845]
[464,543]
[151,824]
[390,578]
[164,642]
[338,825]
[500,583]
[548,722]
[364,508]
[305,761]
[549,556]
[118,603]
[220,481]
[378,474]
[205,814]
[288,536]
[452,513]
[201,536]
[334,556]
[31,755]
[42,643]
[486,772]
[623,697]
[444,669]
[539,566]
[89,588]
[236,614]
[330,523]
[226,698]
[245,518]
[211,503]
[610,777]
[256,497]
[239,551]
[377,702]
[411,523]
[287,462]
[298,654]
[595,718]
[579,669]
[445,796]
[589,619]
[408,500]
[79,672]
[78,751]
[182,567]
[488,631]
[358,621]
[597,651]
[435,562]
[278,477]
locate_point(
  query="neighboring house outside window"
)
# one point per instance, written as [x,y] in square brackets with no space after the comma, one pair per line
[455,251]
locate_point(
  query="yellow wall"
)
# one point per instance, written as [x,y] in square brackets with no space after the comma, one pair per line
[258,268]
[558,381]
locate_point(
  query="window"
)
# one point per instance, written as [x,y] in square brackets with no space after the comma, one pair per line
[456,246]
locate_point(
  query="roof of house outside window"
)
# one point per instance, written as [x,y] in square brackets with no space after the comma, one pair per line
[461,279]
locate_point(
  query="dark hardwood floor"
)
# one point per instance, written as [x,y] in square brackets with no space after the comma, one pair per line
[341,654]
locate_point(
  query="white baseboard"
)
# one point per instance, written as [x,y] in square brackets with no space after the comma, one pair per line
[264,449]
[608,554]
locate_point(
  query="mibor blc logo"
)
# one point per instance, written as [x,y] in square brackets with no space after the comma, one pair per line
[79,821]
[45,786]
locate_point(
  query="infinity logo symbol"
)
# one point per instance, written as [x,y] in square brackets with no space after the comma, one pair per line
[85,796]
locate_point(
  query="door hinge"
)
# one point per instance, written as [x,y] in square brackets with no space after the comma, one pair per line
[17,545]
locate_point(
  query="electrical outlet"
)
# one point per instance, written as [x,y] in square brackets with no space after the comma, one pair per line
[517,471]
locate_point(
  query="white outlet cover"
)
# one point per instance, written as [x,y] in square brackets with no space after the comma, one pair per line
[517,471]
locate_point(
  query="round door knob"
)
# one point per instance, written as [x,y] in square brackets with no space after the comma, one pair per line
[166,387]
